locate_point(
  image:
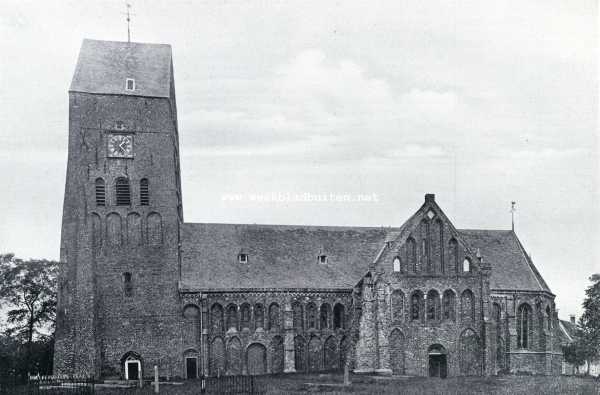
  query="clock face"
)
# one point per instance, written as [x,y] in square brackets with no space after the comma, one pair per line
[120,146]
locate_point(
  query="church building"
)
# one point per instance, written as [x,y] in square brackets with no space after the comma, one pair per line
[140,287]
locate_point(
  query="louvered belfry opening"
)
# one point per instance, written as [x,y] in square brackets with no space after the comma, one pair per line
[123,192]
[100,192]
[144,192]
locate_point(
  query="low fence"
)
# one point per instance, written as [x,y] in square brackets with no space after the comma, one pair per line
[230,385]
[49,385]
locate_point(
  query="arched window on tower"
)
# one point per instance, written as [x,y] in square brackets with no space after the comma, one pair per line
[123,191]
[100,192]
[523,325]
[144,192]
[127,284]
[396,264]
[549,317]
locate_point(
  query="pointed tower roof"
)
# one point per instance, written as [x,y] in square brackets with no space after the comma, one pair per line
[103,67]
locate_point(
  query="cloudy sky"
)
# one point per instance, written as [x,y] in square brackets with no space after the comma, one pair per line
[478,102]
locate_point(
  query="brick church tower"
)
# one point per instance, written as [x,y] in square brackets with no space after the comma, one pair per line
[118,295]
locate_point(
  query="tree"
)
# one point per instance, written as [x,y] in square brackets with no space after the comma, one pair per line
[573,354]
[28,291]
[586,347]
[589,322]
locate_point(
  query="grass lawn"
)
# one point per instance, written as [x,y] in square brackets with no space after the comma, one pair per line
[332,384]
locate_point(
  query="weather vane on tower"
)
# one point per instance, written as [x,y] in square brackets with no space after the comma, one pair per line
[128,5]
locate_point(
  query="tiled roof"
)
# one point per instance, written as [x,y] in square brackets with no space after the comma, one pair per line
[512,269]
[279,256]
[104,66]
[568,331]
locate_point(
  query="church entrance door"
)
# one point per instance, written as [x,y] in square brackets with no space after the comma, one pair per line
[438,365]
[132,368]
[191,367]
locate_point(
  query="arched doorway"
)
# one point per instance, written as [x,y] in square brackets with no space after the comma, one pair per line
[397,351]
[132,366]
[256,359]
[438,361]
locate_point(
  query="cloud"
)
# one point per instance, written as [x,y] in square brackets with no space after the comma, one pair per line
[321,108]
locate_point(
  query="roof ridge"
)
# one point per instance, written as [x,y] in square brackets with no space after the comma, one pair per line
[483,230]
[389,228]
[126,42]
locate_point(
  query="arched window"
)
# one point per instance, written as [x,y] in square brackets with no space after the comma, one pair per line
[440,243]
[549,317]
[397,305]
[311,315]
[425,241]
[274,323]
[216,317]
[396,264]
[298,316]
[467,305]
[232,319]
[123,191]
[100,192]
[453,247]
[191,324]
[416,306]
[338,316]
[524,326]
[433,305]
[259,316]
[467,265]
[325,316]
[127,284]
[245,316]
[154,229]
[144,192]
[411,254]
[114,229]
[449,305]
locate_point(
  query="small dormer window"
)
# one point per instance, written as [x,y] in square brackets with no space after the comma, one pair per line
[243,258]
[322,259]
[129,84]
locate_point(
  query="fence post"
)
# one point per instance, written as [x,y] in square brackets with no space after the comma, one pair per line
[155,379]
[346,375]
